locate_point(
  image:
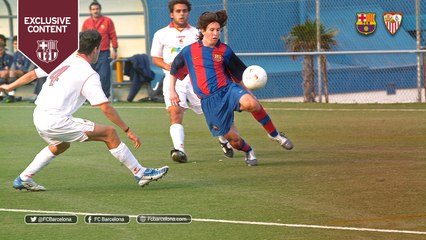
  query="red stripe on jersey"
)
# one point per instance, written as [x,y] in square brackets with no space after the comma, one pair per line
[181,73]
[200,74]
[218,58]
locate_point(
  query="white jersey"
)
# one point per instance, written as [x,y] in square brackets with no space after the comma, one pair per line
[169,41]
[68,86]
[166,44]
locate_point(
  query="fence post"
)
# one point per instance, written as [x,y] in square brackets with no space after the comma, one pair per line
[424,70]
[318,50]
[419,81]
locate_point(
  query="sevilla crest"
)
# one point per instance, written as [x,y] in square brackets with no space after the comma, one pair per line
[392,21]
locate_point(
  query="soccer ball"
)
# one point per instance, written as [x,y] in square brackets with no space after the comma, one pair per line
[254,77]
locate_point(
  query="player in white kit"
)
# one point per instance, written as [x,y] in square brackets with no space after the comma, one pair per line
[166,44]
[63,93]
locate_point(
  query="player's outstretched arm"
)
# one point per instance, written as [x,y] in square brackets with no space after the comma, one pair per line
[114,117]
[25,79]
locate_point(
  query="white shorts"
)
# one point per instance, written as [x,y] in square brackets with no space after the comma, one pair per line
[185,92]
[58,129]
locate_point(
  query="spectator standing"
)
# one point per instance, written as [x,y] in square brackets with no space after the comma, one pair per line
[105,26]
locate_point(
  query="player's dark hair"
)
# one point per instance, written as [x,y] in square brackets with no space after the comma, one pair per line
[15,38]
[95,4]
[88,41]
[3,38]
[172,4]
[206,18]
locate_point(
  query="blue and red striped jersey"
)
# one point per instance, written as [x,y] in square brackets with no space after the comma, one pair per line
[209,68]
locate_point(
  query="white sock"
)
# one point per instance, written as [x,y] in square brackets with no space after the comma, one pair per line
[222,139]
[125,156]
[42,159]
[11,93]
[251,155]
[178,136]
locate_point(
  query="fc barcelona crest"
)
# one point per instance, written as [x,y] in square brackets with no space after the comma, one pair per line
[392,21]
[47,50]
[217,58]
[366,23]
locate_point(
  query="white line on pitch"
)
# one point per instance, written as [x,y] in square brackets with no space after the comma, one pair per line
[350,109]
[310,109]
[234,222]
[311,226]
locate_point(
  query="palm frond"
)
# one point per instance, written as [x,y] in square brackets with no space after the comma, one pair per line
[303,37]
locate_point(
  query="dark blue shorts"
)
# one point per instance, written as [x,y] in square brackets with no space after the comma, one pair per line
[219,108]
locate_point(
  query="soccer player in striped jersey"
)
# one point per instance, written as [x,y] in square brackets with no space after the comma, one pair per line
[166,44]
[216,72]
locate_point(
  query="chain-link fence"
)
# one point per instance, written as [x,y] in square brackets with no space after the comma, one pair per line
[350,78]
[257,30]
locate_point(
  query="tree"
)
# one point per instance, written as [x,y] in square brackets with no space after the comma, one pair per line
[303,38]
